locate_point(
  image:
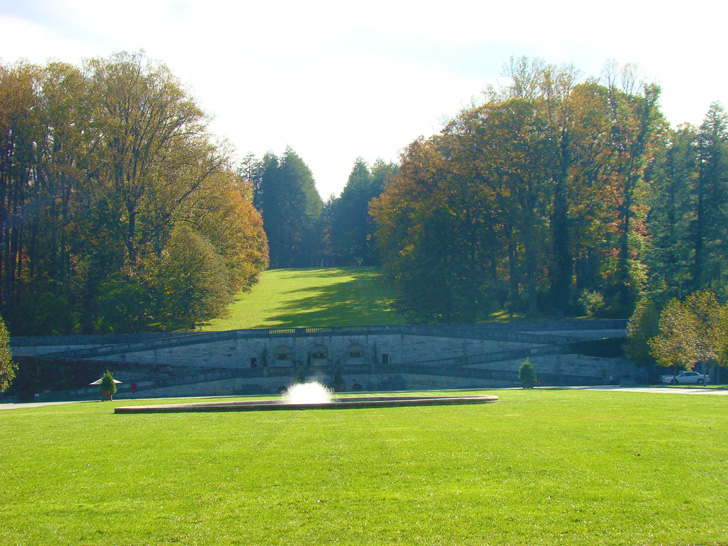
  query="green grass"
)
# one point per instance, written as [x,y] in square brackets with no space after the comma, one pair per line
[342,296]
[539,467]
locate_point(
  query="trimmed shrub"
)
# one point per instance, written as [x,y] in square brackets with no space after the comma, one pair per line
[527,374]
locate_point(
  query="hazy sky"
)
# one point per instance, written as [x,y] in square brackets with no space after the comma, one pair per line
[338,80]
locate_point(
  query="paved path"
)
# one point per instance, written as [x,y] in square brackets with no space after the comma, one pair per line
[33,404]
[663,390]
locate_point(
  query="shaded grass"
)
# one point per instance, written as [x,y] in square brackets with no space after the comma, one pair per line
[539,467]
[342,296]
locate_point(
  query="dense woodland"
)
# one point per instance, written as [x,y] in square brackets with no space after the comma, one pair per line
[119,211]
[301,228]
[558,195]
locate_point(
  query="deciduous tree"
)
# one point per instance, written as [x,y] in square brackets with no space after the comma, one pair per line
[7,366]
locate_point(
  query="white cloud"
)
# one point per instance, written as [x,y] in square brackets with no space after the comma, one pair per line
[337,80]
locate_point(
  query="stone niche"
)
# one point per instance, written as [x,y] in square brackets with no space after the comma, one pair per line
[355,354]
[282,356]
[319,355]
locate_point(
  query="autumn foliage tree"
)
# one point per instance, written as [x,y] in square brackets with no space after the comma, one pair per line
[7,366]
[526,200]
[103,168]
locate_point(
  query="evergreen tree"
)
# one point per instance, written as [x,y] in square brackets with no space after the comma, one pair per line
[672,181]
[291,208]
[711,195]
[352,227]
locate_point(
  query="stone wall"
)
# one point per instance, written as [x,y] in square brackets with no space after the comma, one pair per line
[264,360]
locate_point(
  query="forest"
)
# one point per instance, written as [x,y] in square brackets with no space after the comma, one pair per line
[557,195]
[119,211]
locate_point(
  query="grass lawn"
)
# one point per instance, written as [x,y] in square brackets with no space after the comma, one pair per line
[539,467]
[341,296]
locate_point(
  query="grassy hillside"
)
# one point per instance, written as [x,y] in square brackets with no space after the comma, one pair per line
[539,467]
[339,296]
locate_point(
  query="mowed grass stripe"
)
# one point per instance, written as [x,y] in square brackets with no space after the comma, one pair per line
[287,298]
[539,467]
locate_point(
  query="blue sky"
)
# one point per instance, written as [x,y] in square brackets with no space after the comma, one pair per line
[337,80]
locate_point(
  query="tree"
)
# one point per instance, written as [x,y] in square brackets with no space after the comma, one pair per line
[291,209]
[192,280]
[675,345]
[642,327]
[7,366]
[149,123]
[722,359]
[527,374]
[107,385]
[672,181]
[430,235]
[704,307]
[635,123]
[352,227]
[711,195]
[98,167]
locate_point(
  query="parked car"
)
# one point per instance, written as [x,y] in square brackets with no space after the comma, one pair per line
[685,378]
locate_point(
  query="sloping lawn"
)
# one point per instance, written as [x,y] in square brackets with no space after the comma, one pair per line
[312,297]
[539,467]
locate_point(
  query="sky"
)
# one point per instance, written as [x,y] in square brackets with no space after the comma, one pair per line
[338,80]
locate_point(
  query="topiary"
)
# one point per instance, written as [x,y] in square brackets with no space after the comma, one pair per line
[107,386]
[527,374]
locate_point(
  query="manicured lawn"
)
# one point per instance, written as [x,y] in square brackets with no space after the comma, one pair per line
[342,296]
[539,467]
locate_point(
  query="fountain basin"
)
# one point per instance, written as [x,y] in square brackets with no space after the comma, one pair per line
[340,403]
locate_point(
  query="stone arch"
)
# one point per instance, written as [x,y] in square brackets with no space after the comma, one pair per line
[319,355]
[355,354]
[283,356]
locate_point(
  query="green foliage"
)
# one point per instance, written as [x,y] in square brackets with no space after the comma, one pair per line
[43,313]
[674,346]
[107,385]
[526,200]
[527,374]
[642,327]
[101,165]
[7,366]
[290,205]
[690,332]
[591,302]
[351,227]
[124,305]
[193,279]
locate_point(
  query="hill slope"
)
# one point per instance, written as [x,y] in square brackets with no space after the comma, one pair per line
[284,298]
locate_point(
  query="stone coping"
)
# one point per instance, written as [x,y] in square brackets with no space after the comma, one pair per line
[340,403]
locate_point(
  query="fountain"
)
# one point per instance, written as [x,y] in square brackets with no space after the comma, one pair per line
[314,395]
[312,392]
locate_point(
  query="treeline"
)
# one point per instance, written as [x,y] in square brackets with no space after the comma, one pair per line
[680,334]
[302,230]
[119,211]
[556,195]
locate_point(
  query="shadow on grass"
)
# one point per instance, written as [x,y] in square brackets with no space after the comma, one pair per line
[353,302]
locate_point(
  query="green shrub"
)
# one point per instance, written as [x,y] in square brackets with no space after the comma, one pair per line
[591,302]
[7,366]
[107,386]
[527,374]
